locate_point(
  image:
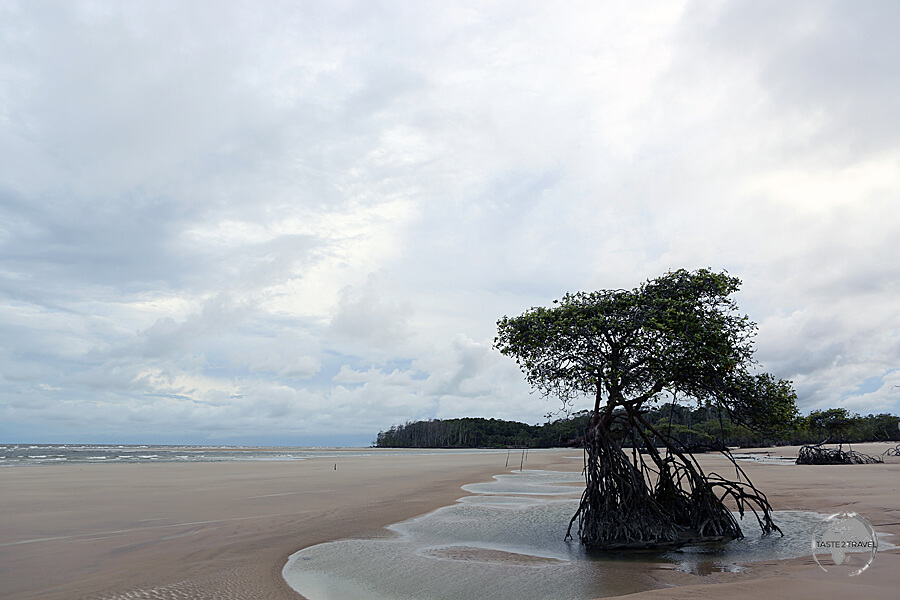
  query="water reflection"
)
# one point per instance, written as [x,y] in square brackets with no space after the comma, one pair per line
[506,542]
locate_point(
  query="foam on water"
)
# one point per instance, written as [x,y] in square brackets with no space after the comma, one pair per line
[506,542]
[765,457]
[25,455]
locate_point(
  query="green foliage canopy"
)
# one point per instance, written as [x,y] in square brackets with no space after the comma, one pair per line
[834,421]
[679,334]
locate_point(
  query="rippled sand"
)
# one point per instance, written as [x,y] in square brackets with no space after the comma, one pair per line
[484,555]
[208,530]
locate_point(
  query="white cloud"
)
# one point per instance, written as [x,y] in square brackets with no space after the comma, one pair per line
[226,220]
[368,315]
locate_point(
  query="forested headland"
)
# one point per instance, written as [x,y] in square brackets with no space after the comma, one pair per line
[692,427]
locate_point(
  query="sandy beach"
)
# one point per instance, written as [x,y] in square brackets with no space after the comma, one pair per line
[209,530]
[225,530]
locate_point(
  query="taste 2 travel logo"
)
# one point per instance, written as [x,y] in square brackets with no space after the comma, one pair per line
[844,543]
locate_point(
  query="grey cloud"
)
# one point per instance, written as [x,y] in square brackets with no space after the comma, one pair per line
[247,266]
[371,314]
[472,359]
[286,364]
[121,243]
[830,63]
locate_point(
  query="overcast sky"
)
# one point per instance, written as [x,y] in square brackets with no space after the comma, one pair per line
[298,222]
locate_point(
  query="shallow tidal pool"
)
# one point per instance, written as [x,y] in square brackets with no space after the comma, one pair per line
[505,542]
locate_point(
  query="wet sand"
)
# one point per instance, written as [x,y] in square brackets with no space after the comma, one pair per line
[224,530]
[217,531]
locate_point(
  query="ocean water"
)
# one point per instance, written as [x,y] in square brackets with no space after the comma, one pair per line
[24,455]
[505,542]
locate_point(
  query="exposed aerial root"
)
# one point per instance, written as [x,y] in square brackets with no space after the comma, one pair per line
[658,496]
[895,451]
[818,454]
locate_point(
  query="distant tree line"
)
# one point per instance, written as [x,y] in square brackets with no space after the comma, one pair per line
[703,426]
[707,425]
[482,433]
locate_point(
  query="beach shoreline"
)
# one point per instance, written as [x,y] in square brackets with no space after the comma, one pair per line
[226,529]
